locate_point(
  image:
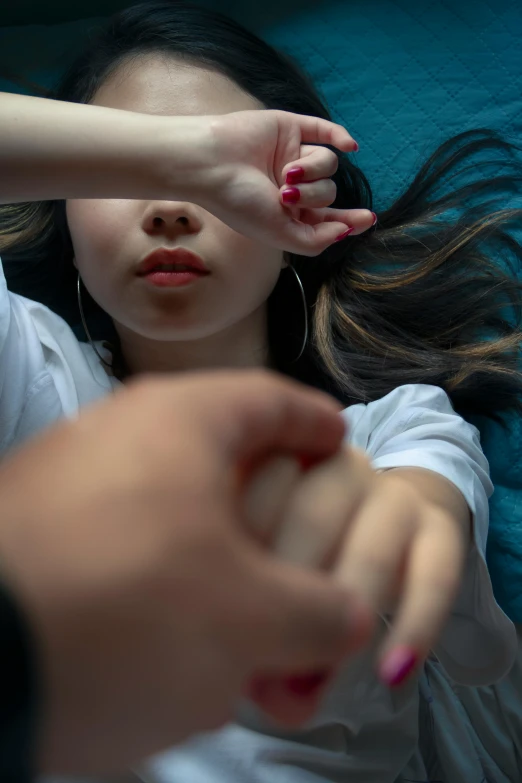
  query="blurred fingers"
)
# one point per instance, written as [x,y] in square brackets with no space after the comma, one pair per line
[431,581]
[321,507]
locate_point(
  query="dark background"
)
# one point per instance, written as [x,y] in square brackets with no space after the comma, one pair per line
[20,12]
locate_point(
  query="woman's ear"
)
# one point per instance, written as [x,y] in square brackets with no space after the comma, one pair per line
[75,265]
[285,262]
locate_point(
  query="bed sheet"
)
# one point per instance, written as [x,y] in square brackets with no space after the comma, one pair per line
[402,75]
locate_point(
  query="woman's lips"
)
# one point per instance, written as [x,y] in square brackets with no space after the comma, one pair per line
[165,279]
[172,267]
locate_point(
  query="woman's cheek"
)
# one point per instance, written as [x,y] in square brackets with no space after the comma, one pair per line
[256,264]
[98,227]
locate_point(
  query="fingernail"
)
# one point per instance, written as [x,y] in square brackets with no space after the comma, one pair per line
[356,147]
[374,219]
[306,461]
[397,665]
[306,684]
[345,234]
[295,175]
[291,195]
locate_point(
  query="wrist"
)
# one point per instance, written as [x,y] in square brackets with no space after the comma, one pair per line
[182,162]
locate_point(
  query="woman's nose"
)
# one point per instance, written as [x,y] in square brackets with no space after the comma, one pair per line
[171,219]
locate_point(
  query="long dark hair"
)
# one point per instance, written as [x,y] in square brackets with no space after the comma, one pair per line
[430,295]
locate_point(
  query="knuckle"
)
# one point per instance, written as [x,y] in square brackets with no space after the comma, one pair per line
[333,161]
[331,189]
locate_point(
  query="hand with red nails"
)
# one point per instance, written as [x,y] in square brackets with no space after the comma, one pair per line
[397,539]
[234,165]
[270,180]
[309,190]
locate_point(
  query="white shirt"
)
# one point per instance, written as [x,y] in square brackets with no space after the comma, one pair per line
[47,374]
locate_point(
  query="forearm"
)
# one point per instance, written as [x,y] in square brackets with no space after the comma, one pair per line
[58,150]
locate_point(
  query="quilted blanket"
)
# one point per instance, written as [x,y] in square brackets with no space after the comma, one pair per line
[403,75]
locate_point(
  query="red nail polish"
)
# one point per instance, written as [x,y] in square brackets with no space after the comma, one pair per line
[291,195]
[295,175]
[306,462]
[306,684]
[397,665]
[344,234]
[356,147]
[374,219]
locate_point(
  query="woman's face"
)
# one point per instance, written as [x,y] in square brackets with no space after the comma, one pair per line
[111,237]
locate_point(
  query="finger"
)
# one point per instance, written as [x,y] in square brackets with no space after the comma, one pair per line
[256,413]
[377,544]
[317,229]
[317,194]
[301,620]
[358,219]
[315,130]
[314,163]
[430,585]
[321,506]
[290,700]
[268,493]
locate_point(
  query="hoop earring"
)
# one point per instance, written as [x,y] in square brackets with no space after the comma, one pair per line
[86,328]
[305,312]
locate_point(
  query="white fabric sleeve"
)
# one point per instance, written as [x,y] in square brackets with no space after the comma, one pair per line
[416,426]
[20,362]
[28,400]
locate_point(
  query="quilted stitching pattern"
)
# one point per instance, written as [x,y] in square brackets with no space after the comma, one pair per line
[403,75]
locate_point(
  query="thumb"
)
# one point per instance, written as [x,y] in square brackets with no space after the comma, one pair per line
[304,620]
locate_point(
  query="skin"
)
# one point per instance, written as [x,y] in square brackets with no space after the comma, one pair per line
[403,533]
[51,150]
[128,568]
[221,319]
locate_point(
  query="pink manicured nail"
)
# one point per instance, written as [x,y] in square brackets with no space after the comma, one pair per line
[345,234]
[295,175]
[356,148]
[397,665]
[374,219]
[291,195]
[306,684]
